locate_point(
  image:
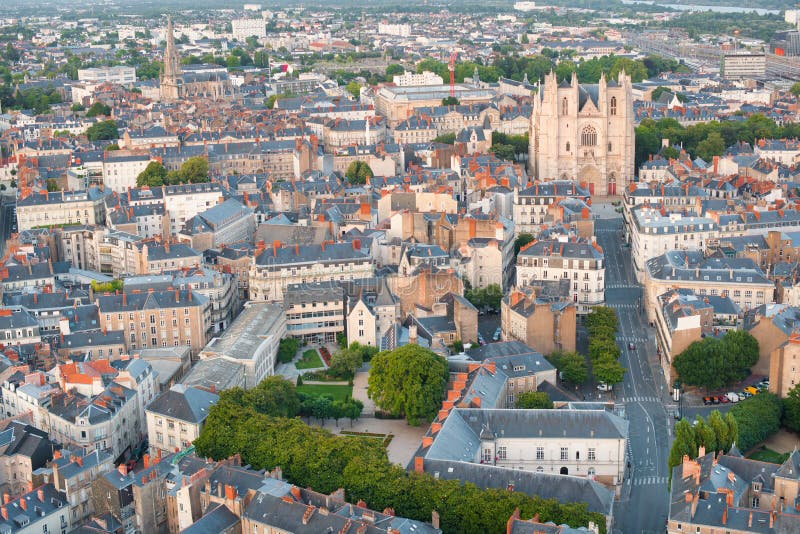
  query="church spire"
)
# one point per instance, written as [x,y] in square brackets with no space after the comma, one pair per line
[172,66]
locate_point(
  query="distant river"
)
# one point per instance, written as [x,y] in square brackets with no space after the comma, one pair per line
[718,9]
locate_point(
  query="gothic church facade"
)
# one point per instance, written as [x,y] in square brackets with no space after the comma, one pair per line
[584,132]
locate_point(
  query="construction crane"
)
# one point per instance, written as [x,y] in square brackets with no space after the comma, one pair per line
[452,68]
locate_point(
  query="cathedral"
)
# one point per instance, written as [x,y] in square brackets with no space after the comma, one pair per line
[176,84]
[584,132]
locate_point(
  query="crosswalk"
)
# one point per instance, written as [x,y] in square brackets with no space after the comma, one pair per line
[633,339]
[650,481]
[623,306]
[640,398]
[622,286]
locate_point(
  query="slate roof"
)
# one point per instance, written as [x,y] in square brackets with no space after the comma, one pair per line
[188,404]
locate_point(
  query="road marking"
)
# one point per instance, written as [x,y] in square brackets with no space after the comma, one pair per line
[650,481]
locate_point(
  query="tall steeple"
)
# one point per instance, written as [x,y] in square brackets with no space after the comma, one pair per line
[172,67]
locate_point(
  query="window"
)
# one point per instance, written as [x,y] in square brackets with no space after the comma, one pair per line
[564,453]
[159,437]
[613,107]
[567,146]
[501,453]
[592,455]
[564,106]
[487,455]
[540,453]
[589,136]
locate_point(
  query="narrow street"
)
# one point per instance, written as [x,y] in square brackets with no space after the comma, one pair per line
[643,396]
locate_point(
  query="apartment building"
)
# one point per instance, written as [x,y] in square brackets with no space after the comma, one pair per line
[244,28]
[542,316]
[580,261]
[730,493]
[532,205]
[184,201]
[226,223]
[315,312]
[18,328]
[120,74]
[23,449]
[275,268]
[158,318]
[31,275]
[45,208]
[654,231]
[73,474]
[481,262]
[175,418]
[738,279]
[583,443]
[156,258]
[219,287]
[35,511]
[120,169]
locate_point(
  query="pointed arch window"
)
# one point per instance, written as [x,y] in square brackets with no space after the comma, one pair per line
[613,105]
[564,106]
[589,136]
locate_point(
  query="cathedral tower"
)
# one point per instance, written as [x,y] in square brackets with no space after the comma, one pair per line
[171,76]
[584,132]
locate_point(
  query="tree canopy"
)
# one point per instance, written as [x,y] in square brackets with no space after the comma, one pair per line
[98,108]
[358,172]
[409,381]
[791,409]
[153,175]
[757,418]
[571,366]
[534,400]
[713,363]
[103,130]
[604,353]
[715,434]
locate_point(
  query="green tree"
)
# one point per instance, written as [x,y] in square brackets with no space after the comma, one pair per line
[711,146]
[757,418]
[608,371]
[393,69]
[103,130]
[713,363]
[52,184]
[358,172]
[269,103]
[791,409]
[522,239]
[534,400]
[447,139]
[77,107]
[98,108]
[602,316]
[450,101]
[111,147]
[733,429]
[153,175]
[685,444]
[194,170]
[345,362]
[571,366]
[705,435]
[795,90]
[354,89]
[274,396]
[670,153]
[721,431]
[408,381]
[287,349]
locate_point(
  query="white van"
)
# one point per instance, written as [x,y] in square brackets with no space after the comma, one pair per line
[604,387]
[733,397]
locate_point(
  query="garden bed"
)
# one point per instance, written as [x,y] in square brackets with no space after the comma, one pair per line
[310,360]
[337,392]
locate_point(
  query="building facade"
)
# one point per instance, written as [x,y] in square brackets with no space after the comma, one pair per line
[584,133]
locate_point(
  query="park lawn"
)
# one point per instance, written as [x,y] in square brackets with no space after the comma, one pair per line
[768,455]
[338,392]
[310,360]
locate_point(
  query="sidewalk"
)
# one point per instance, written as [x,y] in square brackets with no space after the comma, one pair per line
[360,392]
[406,438]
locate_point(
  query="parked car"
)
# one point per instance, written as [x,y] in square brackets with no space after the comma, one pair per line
[631,346]
[707,401]
[751,390]
[715,400]
[604,387]
[724,399]
[733,397]
[744,394]
[497,333]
